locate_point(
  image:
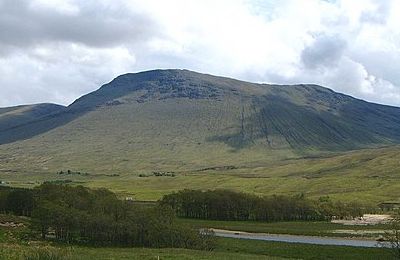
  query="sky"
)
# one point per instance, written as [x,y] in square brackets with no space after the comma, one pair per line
[57,50]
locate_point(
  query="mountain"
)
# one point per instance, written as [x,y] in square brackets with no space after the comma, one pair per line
[13,117]
[16,122]
[186,118]
[295,117]
[183,121]
[237,113]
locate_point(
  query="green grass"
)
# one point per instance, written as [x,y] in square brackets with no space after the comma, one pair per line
[368,175]
[3,236]
[301,251]
[11,252]
[226,249]
[112,253]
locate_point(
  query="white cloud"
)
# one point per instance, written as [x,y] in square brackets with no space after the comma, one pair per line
[59,74]
[55,51]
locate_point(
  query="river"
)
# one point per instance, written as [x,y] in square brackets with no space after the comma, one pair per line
[298,239]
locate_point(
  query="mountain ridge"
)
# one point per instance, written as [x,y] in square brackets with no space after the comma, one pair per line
[279,116]
[11,117]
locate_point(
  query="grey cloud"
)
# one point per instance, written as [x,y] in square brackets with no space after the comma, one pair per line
[22,26]
[325,51]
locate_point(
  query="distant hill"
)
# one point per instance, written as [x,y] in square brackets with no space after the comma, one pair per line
[17,123]
[183,121]
[12,117]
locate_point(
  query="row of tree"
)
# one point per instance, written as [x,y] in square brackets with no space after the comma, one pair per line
[230,205]
[83,215]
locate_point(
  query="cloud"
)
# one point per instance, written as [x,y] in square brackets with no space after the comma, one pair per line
[26,23]
[59,74]
[57,50]
[324,51]
[378,13]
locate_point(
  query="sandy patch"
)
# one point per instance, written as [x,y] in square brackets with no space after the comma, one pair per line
[366,219]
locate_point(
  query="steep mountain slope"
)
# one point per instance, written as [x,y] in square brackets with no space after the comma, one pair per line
[178,119]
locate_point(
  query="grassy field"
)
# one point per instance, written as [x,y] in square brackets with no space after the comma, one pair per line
[301,251]
[85,253]
[226,249]
[309,228]
[369,175]
[15,245]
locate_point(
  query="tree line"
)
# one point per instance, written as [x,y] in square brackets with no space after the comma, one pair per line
[16,201]
[230,205]
[96,216]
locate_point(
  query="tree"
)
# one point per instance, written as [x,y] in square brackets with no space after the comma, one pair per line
[20,202]
[42,217]
[391,238]
[79,214]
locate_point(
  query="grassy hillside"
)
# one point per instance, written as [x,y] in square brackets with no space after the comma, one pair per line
[366,176]
[11,117]
[18,122]
[235,113]
[211,132]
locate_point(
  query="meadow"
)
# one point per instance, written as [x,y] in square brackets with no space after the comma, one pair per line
[226,249]
[368,175]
